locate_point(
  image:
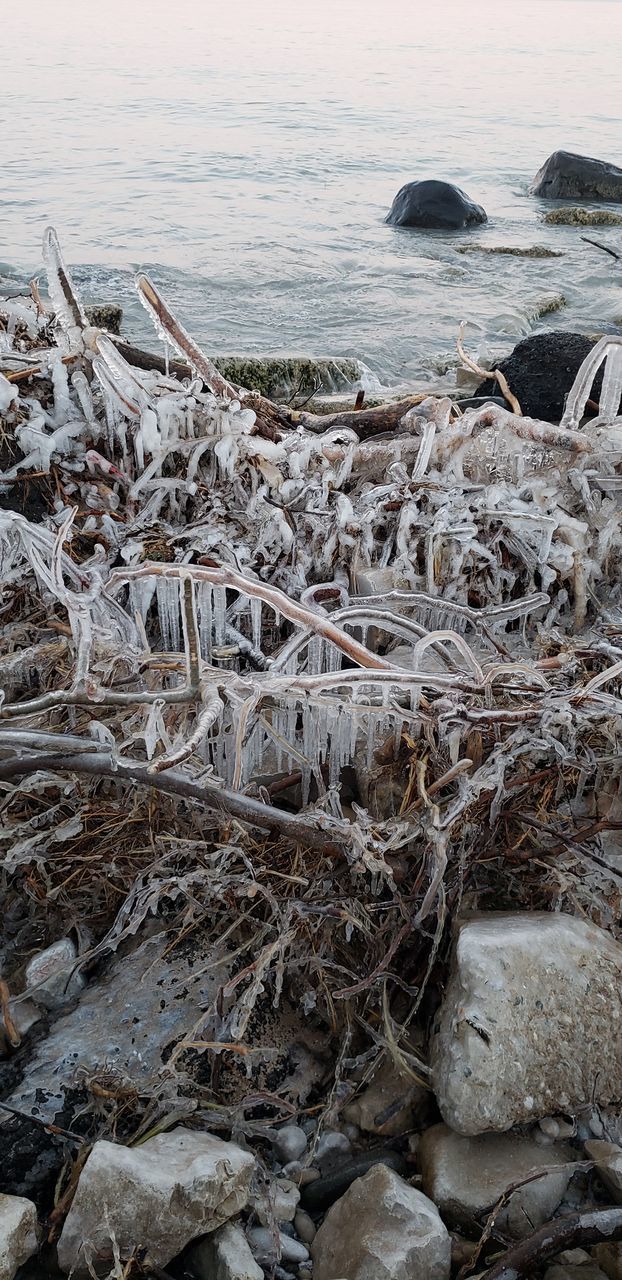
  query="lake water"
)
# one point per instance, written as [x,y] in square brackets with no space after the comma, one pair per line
[246,155]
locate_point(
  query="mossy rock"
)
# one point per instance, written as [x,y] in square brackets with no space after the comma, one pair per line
[574,216]
[511,250]
[285,378]
[105,315]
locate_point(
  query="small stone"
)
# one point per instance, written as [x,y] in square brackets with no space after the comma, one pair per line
[389,1103]
[105,315]
[262,1242]
[529,997]
[466,1176]
[276,1201]
[574,1271]
[292,1170]
[49,979]
[225,1255]
[18,1234]
[331,1148]
[160,1195]
[308,1175]
[305,1227]
[289,1143]
[382,1229]
[607,1157]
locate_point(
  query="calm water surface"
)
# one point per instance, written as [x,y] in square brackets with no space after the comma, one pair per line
[247,153]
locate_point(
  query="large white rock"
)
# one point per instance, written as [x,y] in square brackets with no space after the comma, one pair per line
[225,1255]
[531,1023]
[18,1234]
[465,1177]
[382,1229]
[161,1195]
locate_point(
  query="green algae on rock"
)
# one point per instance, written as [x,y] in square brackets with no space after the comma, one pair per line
[282,377]
[575,216]
[511,250]
[105,315]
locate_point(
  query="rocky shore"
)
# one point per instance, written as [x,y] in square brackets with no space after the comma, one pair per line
[311,955]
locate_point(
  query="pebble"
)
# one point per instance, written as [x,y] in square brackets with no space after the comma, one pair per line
[262,1243]
[330,1146]
[289,1143]
[292,1170]
[305,1226]
[308,1176]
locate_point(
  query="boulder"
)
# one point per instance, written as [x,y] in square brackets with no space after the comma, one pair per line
[566,176]
[390,1103]
[607,1157]
[434,204]
[540,372]
[225,1255]
[161,1195]
[531,1022]
[382,1229]
[18,1234]
[465,1177]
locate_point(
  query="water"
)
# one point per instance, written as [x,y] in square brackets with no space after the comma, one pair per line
[246,155]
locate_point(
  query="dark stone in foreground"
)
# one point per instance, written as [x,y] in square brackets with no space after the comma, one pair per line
[540,372]
[319,1195]
[434,204]
[565,176]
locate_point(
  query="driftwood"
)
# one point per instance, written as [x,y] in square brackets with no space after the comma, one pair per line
[579,1231]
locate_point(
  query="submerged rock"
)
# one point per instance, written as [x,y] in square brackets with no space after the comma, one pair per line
[465,1177]
[511,250]
[572,216]
[282,378]
[531,1023]
[18,1234]
[160,1195]
[566,176]
[541,370]
[434,204]
[382,1229]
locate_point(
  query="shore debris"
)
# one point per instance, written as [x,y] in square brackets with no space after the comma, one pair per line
[283,696]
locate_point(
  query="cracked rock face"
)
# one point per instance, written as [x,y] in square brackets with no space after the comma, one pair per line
[382,1229]
[531,1023]
[161,1195]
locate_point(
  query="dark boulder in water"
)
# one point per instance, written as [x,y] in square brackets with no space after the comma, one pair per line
[434,204]
[565,176]
[540,372]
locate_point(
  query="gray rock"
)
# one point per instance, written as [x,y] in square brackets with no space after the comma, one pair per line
[305,1227]
[434,204]
[531,1022]
[262,1242]
[566,176]
[575,1271]
[331,1150]
[18,1234]
[466,1176]
[50,978]
[276,1201]
[382,1229]
[608,1161]
[323,1191]
[225,1255]
[390,1102]
[163,1194]
[289,1143]
[609,1257]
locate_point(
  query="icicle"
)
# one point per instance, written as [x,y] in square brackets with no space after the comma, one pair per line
[219,599]
[167,595]
[256,621]
[204,603]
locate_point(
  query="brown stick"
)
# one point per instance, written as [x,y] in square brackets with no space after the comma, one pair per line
[578,1231]
[220,800]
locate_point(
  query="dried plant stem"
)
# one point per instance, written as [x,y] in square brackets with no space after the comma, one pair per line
[486,374]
